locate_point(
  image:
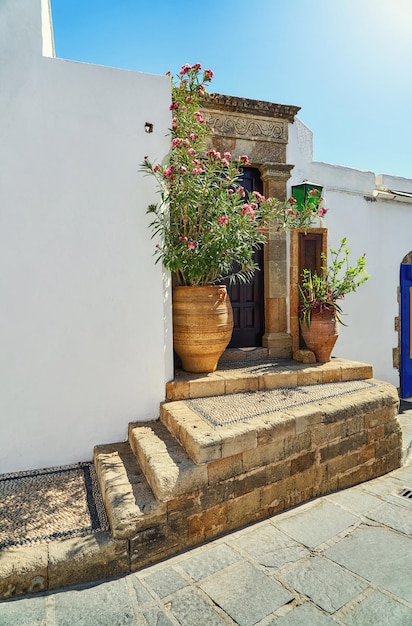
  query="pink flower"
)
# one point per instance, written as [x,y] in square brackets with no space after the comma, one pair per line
[182,238]
[168,172]
[193,136]
[292,200]
[314,192]
[214,154]
[174,105]
[191,151]
[258,196]
[227,155]
[225,162]
[241,191]
[199,117]
[197,170]
[231,191]
[322,211]
[247,210]
[244,159]
[196,67]
[177,142]
[156,167]
[207,75]
[185,69]
[222,220]
[191,245]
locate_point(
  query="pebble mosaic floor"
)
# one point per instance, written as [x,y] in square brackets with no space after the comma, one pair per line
[38,506]
[223,410]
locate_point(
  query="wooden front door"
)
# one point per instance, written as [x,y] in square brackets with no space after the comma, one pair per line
[248,299]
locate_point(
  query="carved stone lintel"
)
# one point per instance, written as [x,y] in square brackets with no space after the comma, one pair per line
[246,127]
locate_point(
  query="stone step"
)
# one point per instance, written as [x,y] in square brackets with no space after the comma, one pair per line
[238,376]
[168,468]
[217,427]
[129,501]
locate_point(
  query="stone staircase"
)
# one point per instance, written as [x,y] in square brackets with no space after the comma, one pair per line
[183,479]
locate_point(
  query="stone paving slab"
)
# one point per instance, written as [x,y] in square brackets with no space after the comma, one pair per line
[316,522]
[246,593]
[379,609]
[326,584]
[304,615]
[380,556]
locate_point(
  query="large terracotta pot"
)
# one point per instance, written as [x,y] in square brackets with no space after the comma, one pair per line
[322,334]
[202,326]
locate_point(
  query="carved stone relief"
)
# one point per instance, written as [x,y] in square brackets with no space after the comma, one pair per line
[231,125]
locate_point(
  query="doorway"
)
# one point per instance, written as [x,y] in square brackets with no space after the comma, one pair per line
[406,329]
[248,299]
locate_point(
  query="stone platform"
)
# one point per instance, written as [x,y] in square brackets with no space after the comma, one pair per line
[181,480]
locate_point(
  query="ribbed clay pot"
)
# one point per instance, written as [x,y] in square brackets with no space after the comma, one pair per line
[202,326]
[322,334]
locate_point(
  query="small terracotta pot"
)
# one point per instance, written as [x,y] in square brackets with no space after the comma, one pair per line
[322,334]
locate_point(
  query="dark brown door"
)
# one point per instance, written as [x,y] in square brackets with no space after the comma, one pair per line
[248,299]
[310,249]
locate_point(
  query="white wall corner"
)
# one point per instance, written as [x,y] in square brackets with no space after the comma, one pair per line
[299,152]
[47,29]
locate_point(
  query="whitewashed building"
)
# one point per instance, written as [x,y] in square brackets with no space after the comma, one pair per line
[85,329]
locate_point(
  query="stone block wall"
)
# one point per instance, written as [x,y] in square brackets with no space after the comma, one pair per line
[318,449]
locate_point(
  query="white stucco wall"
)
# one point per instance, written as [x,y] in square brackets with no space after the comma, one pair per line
[85,342]
[379,228]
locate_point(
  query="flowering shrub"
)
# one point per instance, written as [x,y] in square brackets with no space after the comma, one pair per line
[208,225]
[321,293]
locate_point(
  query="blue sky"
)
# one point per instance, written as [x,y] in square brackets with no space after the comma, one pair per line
[347,63]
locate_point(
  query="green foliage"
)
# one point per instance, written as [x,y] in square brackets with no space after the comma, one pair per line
[320,293]
[207,224]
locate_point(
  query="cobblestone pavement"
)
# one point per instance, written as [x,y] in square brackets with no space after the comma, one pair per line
[344,558]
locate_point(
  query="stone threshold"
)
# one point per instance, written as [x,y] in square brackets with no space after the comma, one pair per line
[256,374]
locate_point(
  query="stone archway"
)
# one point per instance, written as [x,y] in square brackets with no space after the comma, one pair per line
[259,129]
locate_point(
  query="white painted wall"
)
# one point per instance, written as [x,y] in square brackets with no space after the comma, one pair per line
[85,341]
[382,230]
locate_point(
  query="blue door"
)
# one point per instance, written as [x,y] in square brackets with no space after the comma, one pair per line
[406,331]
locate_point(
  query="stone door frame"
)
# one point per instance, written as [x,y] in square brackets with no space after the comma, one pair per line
[259,129]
